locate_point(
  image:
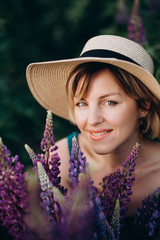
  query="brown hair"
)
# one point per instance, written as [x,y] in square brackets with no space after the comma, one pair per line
[131,85]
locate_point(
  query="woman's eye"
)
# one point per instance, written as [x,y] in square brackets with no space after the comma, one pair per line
[81,104]
[111,103]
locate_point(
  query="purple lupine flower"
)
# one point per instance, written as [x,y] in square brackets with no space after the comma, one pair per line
[108,192]
[148,216]
[128,178]
[118,185]
[49,204]
[77,163]
[47,140]
[99,220]
[50,158]
[122,13]
[95,208]
[154,224]
[43,177]
[13,193]
[74,216]
[81,215]
[51,166]
[135,25]
[87,218]
[34,157]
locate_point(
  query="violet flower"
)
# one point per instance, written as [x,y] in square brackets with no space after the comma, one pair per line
[50,158]
[87,217]
[52,168]
[128,178]
[148,216]
[135,25]
[77,163]
[96,209]
[118,185]
[43,177]
[34,157]
[81,215]
[13,193]
[49,203]
[47,140]
[108,192]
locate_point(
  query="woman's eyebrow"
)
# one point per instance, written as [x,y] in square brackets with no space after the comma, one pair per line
[110,94]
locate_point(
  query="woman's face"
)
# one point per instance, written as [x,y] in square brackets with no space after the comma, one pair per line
[106,116]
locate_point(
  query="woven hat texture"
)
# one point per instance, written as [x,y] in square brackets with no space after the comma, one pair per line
[47,80]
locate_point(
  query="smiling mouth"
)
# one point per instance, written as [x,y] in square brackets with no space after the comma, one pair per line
[97,134]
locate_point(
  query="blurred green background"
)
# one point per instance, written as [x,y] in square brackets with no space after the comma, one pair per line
[43,30]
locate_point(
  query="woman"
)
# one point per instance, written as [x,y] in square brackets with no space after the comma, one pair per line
[113,98]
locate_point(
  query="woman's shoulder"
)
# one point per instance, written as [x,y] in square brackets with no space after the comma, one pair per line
[63,150]
[151,158]
[154,149]
[65,144]
[151,146]
[62,143]
[151,151]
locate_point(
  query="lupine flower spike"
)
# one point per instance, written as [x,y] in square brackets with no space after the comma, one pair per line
[87,218]
[43,177]
[52,159]
[135,26]
[32,155]
[128,178]
[148,216]
[47,140]
[13,193]
[49,159]
[47,196]
[118,186]
[77,163]
[96,211]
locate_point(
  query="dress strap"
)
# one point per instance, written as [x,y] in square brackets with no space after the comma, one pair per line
[69,138]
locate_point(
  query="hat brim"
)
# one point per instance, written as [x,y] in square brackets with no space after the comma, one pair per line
[47,80]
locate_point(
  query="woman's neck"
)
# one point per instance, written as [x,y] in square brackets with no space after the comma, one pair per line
[111,160]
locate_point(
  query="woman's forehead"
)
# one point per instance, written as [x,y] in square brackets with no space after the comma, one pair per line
[101,77]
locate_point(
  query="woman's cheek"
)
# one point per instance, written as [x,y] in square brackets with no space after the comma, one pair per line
[80,117]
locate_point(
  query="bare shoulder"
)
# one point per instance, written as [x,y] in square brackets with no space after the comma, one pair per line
[154,149]
[63,148]
[152,155]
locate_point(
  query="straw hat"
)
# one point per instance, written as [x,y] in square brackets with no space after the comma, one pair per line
[47,80]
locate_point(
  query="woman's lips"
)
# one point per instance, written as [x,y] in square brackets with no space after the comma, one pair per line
[99,134]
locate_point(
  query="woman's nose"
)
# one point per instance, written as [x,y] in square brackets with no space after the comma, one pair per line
[95,116]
